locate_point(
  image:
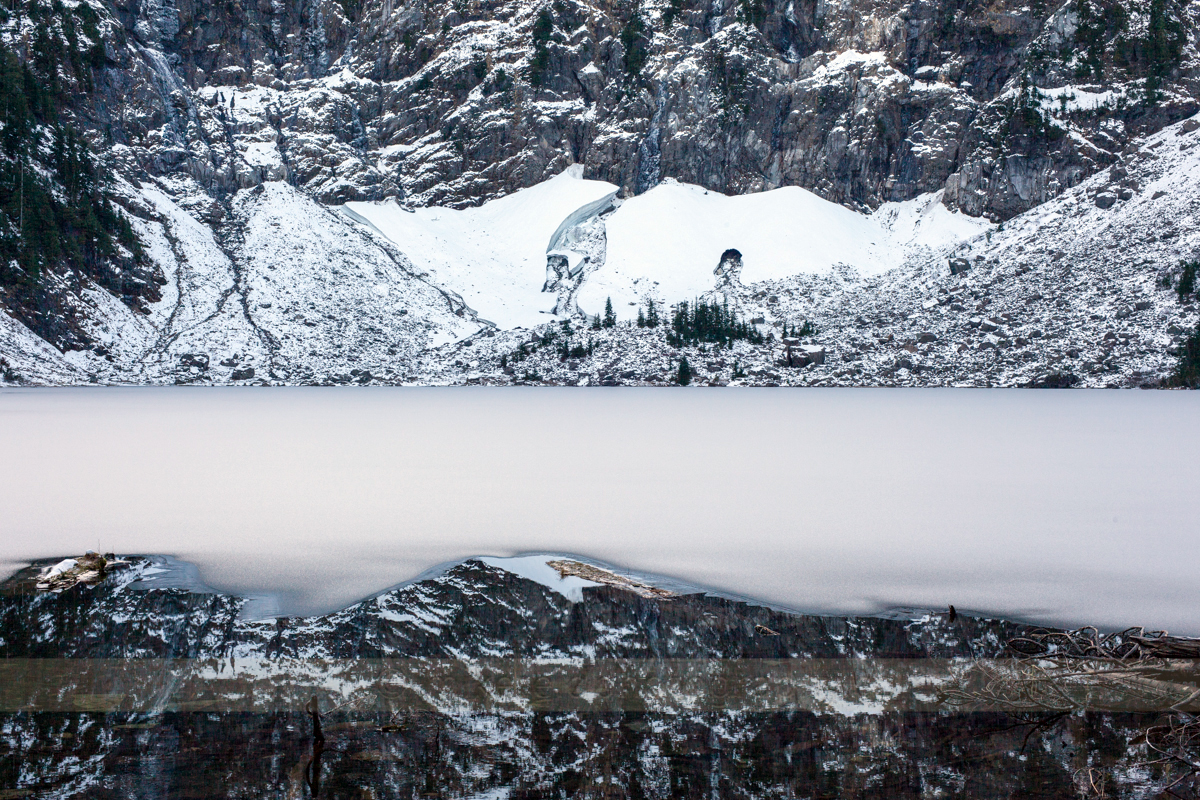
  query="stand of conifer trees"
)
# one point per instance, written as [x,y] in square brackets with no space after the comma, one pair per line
[54,212]
[648,319]
[711,323]
[1187,371]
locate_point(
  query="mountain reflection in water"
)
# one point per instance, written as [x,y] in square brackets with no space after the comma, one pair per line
[479,682]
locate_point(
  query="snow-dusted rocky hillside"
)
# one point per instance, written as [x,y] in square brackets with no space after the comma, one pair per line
[295,193]
[910,294]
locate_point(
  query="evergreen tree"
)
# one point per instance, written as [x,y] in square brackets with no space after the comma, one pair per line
[641,319]
[1187,279]
[540,62]
[1187,372]
[684,376]
[651,314]
[634,41]
[610,316]
[54,214]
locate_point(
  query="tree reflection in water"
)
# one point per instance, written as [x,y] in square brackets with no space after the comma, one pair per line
[313,770]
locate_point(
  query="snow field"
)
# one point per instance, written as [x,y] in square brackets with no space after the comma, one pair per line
[924,222]
[536,569]
[663,244]
[493,256]
[667,242]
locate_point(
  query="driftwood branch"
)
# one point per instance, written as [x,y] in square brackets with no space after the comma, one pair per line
[1060,672]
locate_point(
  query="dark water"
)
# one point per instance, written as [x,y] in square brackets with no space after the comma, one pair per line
[481,683]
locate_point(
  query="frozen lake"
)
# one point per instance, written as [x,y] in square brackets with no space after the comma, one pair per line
[1061,507]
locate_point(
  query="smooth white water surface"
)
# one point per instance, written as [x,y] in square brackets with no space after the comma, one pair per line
[1066,507]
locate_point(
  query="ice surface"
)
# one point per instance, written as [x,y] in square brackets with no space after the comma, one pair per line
[1063,507]
[494,256]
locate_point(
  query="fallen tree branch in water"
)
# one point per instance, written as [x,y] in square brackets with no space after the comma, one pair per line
[1084,670]
[1063,672]
[1068,684]
[1088,642]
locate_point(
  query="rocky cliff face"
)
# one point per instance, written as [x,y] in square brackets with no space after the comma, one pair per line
[452,102]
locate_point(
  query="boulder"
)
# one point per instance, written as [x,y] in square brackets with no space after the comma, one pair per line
[815,353]
[1056,380]
[194,360]
[88,569]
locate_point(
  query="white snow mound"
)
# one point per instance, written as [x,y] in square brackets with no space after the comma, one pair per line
[493,256]
[667,242]
[925,222]
[663,244]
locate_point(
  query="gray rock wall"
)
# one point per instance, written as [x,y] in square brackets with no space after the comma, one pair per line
[862,101]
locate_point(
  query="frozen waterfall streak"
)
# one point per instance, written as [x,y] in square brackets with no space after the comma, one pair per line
[169,85]
[649,153]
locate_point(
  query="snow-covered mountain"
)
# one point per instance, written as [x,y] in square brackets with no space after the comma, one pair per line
[333,192]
